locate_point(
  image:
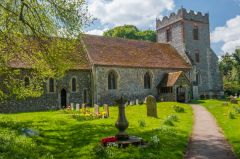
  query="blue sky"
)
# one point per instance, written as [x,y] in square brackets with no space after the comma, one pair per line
[224,17]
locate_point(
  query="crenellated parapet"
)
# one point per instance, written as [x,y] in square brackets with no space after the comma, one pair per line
[182,14]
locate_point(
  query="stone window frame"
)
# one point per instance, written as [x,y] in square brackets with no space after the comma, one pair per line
[151,80]
[54,85]
[195,32]
[116,80]
[71,87]
[29,81]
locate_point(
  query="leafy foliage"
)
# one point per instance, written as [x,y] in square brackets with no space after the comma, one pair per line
[178,109]
[230,68]
[29,35]
[131,32]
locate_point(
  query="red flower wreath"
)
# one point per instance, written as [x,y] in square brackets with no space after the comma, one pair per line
[106,140]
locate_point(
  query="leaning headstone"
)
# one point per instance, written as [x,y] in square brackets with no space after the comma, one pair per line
[72,106]
[106,109]
[151,106]
[96,109]
[145,100]
[77,107]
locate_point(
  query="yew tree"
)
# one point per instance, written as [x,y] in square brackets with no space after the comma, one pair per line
[36,39]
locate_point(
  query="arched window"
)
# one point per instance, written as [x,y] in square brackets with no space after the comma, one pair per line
[147,81]
[195,33]
[112,81]
[26,81]
[74,84]
[51,85]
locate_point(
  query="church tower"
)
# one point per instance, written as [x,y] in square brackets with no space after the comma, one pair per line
[189,33]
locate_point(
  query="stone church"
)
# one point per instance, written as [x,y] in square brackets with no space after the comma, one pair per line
[180,66]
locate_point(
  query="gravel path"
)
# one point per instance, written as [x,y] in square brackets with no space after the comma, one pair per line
[207,141]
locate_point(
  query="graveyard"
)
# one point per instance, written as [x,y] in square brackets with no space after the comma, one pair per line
[77,134]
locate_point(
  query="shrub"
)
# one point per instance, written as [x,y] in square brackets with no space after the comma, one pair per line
[142,123]
[154,141]
[170,119]
[173,118]
[99,151]
[231,115]
[237,109]
[168,122]
[202,97]
[178,109]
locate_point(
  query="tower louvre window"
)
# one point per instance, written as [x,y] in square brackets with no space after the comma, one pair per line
[169,35]
[195,33]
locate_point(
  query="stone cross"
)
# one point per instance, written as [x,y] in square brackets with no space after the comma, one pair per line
[106,109]
[151,106]
[72,106]
[77,107]
[96,109]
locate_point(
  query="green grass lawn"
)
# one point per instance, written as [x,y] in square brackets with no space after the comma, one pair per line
[62,136]
[231,127]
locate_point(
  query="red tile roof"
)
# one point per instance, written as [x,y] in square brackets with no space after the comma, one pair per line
[109,51]
[171,78]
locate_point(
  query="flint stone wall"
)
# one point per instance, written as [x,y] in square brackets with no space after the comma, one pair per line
[51,101]
[130,83]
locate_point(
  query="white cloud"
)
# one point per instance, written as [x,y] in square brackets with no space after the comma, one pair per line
[229,34]
[136,12]
[97,31]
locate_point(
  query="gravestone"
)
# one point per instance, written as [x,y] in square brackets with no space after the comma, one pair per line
[96,109]
[145,100]
[77,107]
[72,106]
[106,109]
[151,106]
[137,102]
[83,106]
[131,103]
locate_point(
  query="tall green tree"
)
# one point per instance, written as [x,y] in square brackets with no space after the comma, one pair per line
[29,34]
[230,68]
[131,32]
